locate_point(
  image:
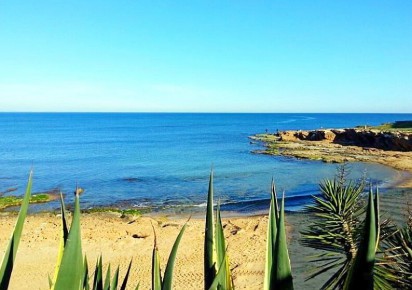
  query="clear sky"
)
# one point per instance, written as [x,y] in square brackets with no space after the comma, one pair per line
[206,56]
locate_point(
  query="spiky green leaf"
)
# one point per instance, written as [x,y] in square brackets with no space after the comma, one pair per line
[168,275]
[86,275]
[360,275]
[107,279]
[98,274]
[115,281]
[11,251]
[156,273]
[281,270]
[70,274]
[126,277]
[209,244]
[225,280]
[220,276]
[271,237]
[63,238]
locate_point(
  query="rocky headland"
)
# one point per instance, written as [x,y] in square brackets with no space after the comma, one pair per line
[393,141]
[391,147]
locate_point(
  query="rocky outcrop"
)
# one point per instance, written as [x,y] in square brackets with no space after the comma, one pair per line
[394,141]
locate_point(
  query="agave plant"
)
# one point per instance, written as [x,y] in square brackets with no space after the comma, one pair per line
[109,283]
[71,270]
[361,272]
[338,232]
[271,237]
[278,273]
[333,231]
[216,261]
[165,282]
[63,238]
[399,247]
[11,251]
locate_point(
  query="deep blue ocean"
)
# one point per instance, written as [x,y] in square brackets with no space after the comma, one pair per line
[163,160]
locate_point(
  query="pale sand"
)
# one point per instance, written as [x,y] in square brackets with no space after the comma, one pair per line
[112,236]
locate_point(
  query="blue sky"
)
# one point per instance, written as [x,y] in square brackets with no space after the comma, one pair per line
[206,56]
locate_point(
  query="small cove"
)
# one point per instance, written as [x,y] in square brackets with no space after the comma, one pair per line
[162,161]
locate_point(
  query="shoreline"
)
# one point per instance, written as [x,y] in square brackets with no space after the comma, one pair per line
[404,181]
[288,144]
[327,151]
[119,239]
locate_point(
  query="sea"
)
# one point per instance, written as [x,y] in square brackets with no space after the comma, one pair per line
[162,161]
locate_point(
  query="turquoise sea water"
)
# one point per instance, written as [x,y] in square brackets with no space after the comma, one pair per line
[164,160]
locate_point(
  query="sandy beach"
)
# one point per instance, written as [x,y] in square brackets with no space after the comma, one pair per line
[124,109]
[121,239]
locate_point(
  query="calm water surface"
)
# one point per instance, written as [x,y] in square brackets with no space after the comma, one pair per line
[163,160]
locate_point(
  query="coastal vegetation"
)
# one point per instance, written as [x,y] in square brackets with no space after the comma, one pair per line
[355,246]
[11,250]
[122,212]
[278,271]
[402,126]
[338,231]
[11,200]
[216,261]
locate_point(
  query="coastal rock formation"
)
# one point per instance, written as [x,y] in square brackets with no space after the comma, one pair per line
[389,144]
[393,141]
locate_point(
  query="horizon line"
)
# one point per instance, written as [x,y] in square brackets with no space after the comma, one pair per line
[188,112]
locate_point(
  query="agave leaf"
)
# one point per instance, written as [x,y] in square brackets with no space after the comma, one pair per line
[377,219]
[220,276]
[98,274]
[71,267]
[360,275]
[271,237]
[223,265]
[115,281]
[274,197]
[126,277]
[98,285]
[281,270]
[107,279]
[209,246]
[229,277]
[63,238]
[168,275]
[86,274]
[11,251]
[219,239]
[216,263]
[156,273]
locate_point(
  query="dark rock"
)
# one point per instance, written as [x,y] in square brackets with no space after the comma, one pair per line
[8,190]
[393,141]
[139,236]
[130,179]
